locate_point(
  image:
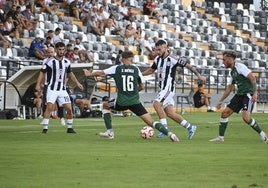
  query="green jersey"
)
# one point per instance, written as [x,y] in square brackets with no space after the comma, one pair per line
[239,77]
[127,79]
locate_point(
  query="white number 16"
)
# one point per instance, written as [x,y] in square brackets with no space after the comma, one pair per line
[128,83]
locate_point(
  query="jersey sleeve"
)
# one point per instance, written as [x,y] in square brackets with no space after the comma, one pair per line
[154,65]
[181,62]
[141,78]
[242,69]
[68,65]
[231,81]
[110,70]
[44,67]
[69,69]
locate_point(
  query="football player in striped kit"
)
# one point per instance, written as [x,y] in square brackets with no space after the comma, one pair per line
[55,72]
[166,64]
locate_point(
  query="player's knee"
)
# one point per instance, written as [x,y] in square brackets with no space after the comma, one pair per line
[225,114]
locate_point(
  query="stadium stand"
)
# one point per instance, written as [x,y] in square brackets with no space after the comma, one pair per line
[198,32]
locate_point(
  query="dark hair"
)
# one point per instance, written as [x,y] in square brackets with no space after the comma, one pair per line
[161,42]
[200,85]
[58,29]
[59,44]
[230,53]
[127,54]
[105,98]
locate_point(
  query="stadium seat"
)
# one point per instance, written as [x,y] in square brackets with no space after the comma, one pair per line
[14,52]
[245,27]
[251,27]
[75,28]
[26,33]
[3,72]
[41,25]
[96,56]
[221,11]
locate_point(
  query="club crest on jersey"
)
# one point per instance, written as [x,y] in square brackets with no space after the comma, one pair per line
[234,73]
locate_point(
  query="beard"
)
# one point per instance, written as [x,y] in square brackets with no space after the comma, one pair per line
[60,54]
[228,65]
[162,55]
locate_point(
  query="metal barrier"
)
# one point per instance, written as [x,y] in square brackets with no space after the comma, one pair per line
[10,66]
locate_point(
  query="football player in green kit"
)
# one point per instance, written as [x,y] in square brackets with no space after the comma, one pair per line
[129,81]
[244,99]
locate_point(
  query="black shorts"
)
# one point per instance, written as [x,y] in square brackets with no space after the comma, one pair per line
[29,102]
[198,104]
[137,109]
[243,102]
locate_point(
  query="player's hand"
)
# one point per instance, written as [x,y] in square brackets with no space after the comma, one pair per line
[218,106]
[80,86]
[87,72]
[202,79]
[37,88]
[254,97]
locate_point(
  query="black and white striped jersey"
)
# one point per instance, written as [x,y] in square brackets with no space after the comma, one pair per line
[166,71]
[56,73]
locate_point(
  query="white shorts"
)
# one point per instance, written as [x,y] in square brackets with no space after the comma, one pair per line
[62,97]
[165,97]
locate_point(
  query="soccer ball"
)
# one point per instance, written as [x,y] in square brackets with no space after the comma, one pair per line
[147,132]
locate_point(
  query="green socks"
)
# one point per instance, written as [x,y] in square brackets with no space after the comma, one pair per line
[161,128]
[107,120]
[254,125]
[223,126]
[224,122]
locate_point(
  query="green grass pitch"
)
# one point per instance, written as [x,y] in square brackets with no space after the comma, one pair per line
[30,159]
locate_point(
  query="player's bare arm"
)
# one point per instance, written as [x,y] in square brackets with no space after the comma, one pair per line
[226,93]
[92,74]
[149,71]
[40,80]
[193,70]
[252,79]
[73,78]
[141,86]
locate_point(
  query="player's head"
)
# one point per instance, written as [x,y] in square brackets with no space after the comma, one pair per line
[127,57]
[161,48]
[105,98]
[50,51]
[200,85]
[229,58]
[60,49]
[230,53]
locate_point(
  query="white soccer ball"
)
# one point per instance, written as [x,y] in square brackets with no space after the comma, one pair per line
[147,132]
